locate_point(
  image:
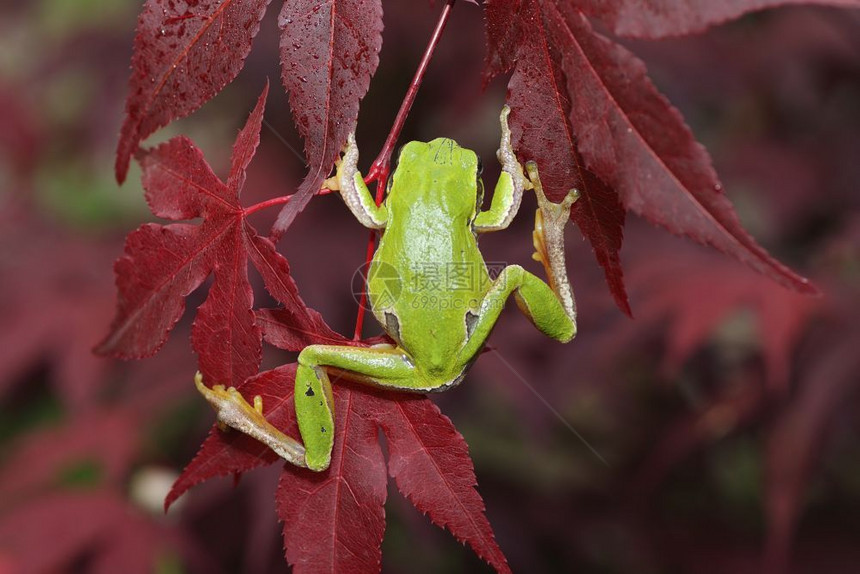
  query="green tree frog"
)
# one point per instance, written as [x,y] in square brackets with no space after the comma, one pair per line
[428,287]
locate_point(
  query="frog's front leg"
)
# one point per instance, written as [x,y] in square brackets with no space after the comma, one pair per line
[508,193]
[353,190]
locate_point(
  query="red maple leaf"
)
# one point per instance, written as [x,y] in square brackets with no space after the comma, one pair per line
[429,460]
[329,52]
[612,135]
[334,520]
[541,131]
[341,509]
[185,53]
[659,19]
[164,264]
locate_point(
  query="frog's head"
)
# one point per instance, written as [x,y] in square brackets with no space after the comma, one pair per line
[439,172]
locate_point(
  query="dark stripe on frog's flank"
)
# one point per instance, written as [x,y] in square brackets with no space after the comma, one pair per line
[392,326]
[471,321]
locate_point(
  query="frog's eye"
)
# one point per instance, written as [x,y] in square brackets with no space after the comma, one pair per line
[480,166]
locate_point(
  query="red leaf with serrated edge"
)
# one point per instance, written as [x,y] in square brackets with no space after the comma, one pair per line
[163,264]
[537,94]
[659,170]
[662,18]
[329,51]
[160,267]
[226,453]
[430,462]
[296,321]
[185,52]
[225,334]
[600,217]
[334,520]
[279,331]
[630,137]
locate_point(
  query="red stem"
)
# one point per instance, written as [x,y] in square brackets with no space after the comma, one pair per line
[381,166]
[268,203]
[276,201]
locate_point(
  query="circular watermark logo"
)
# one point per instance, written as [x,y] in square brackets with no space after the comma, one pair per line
[386,280]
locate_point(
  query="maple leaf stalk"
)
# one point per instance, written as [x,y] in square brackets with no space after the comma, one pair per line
[282,200]
[381,166]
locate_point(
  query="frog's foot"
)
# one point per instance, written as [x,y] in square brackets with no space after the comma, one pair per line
[333,183]
[234,411]
[548,238]
[346,165]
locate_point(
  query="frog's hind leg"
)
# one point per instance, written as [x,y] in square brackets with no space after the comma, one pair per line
[535,298]
[552,308]
[385,367]
[234,411]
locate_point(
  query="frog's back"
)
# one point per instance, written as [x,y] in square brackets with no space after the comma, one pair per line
[428,273]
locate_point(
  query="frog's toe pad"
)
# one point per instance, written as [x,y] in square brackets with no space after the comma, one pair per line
[318,463]
[553,213]
[315,417]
